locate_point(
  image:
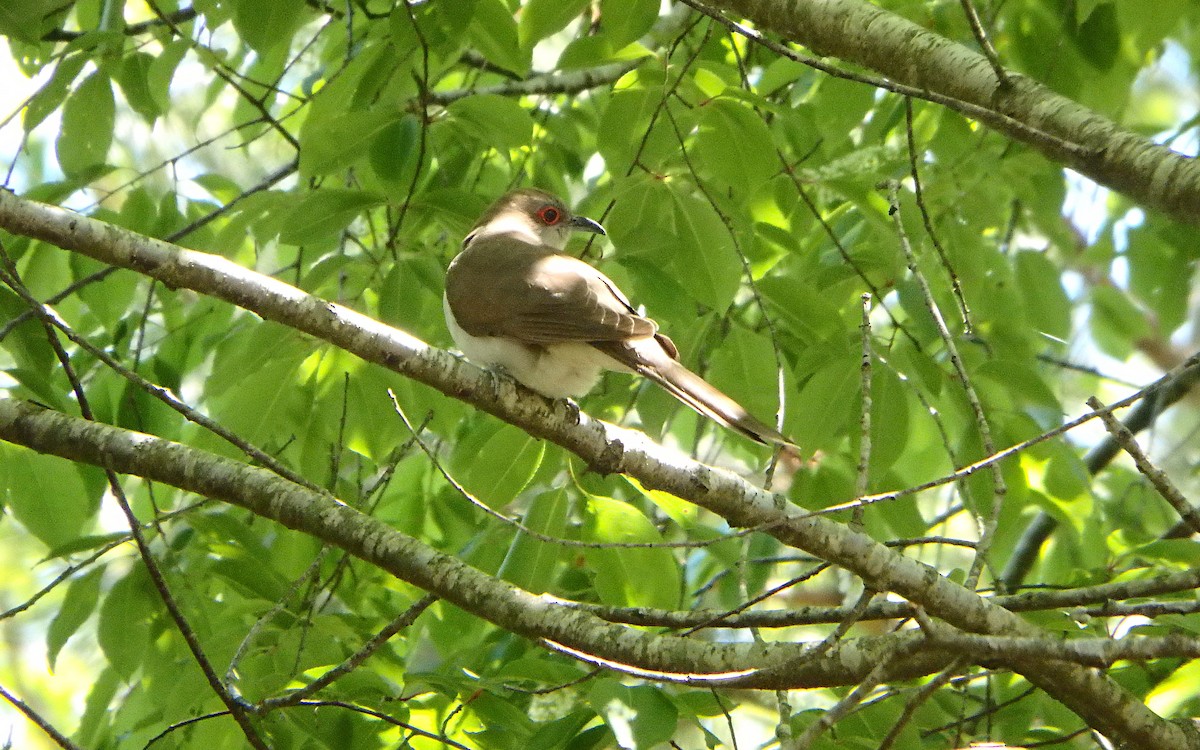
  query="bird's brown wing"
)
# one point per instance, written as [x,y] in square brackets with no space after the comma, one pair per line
[509,288]
[502,286]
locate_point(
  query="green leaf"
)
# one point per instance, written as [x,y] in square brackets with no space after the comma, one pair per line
[682,512]
[494,120]
[625,134]
[625,21]
[324,213]
[46,494]
[134,79]
[1066,477]
[497,471]
[734,147]
[744,367]
[327,145]
[821,415]
[494,32]
[394,151]
[162,72]
[842,106]
[77,606]
[636,577]
[265,24]
[1177,692]
[801,307]
[124,626]
[640,717]
[109,301]
[541,18]
[51,95]
[642,220]
[23,19]
[889,420]
[96,715]
[705,261]
[1046,302]
[1116,322]
[531,563]
[1155,278]
[87,126]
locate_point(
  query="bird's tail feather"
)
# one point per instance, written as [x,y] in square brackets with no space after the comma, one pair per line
[652,361]
[697,393]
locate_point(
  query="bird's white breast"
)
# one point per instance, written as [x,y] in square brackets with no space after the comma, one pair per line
[569,369]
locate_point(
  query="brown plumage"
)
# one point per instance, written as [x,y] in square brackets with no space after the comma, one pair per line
[514,299]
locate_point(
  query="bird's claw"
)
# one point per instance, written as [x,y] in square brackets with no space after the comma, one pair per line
[572,409]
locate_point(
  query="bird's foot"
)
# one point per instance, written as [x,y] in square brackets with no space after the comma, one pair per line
[572,409]
[497,378]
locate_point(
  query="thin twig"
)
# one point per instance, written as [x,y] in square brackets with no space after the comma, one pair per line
[985,44]
[864,432]
[1000,489]
[268,616]
[1158,478]
[59,738]
[923,694]
[469,497]
[832,715]
[400,622]
[919,194]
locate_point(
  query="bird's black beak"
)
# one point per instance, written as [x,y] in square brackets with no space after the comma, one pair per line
[584,224]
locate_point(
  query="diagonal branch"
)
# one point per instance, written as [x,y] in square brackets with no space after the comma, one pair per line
[1096,698]
[862,33]
[669,657]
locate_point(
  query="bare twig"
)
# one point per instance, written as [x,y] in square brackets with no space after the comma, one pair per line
[864,425]
[832,715]
[400,622]
[1000,489]
[985,44]
[1158,478]
[919,194]
[59,738]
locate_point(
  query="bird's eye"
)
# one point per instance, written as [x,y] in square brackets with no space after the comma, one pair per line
[549,215]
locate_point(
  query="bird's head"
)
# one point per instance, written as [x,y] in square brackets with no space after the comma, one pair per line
[533,215]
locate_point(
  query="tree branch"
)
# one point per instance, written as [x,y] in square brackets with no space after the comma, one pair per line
[668,657]
[867,35]
[607,448]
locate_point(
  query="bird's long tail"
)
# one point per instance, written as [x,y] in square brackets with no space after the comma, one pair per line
[649,358]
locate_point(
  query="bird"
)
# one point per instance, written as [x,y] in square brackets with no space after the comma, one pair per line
[515,301]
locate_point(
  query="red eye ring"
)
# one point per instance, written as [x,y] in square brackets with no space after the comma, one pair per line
[549,215]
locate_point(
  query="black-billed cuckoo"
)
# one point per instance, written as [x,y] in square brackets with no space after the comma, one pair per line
[513,299]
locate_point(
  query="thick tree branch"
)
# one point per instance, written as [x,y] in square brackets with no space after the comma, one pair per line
[1095,601]
[865,34]
[539,617]
[1100,701]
